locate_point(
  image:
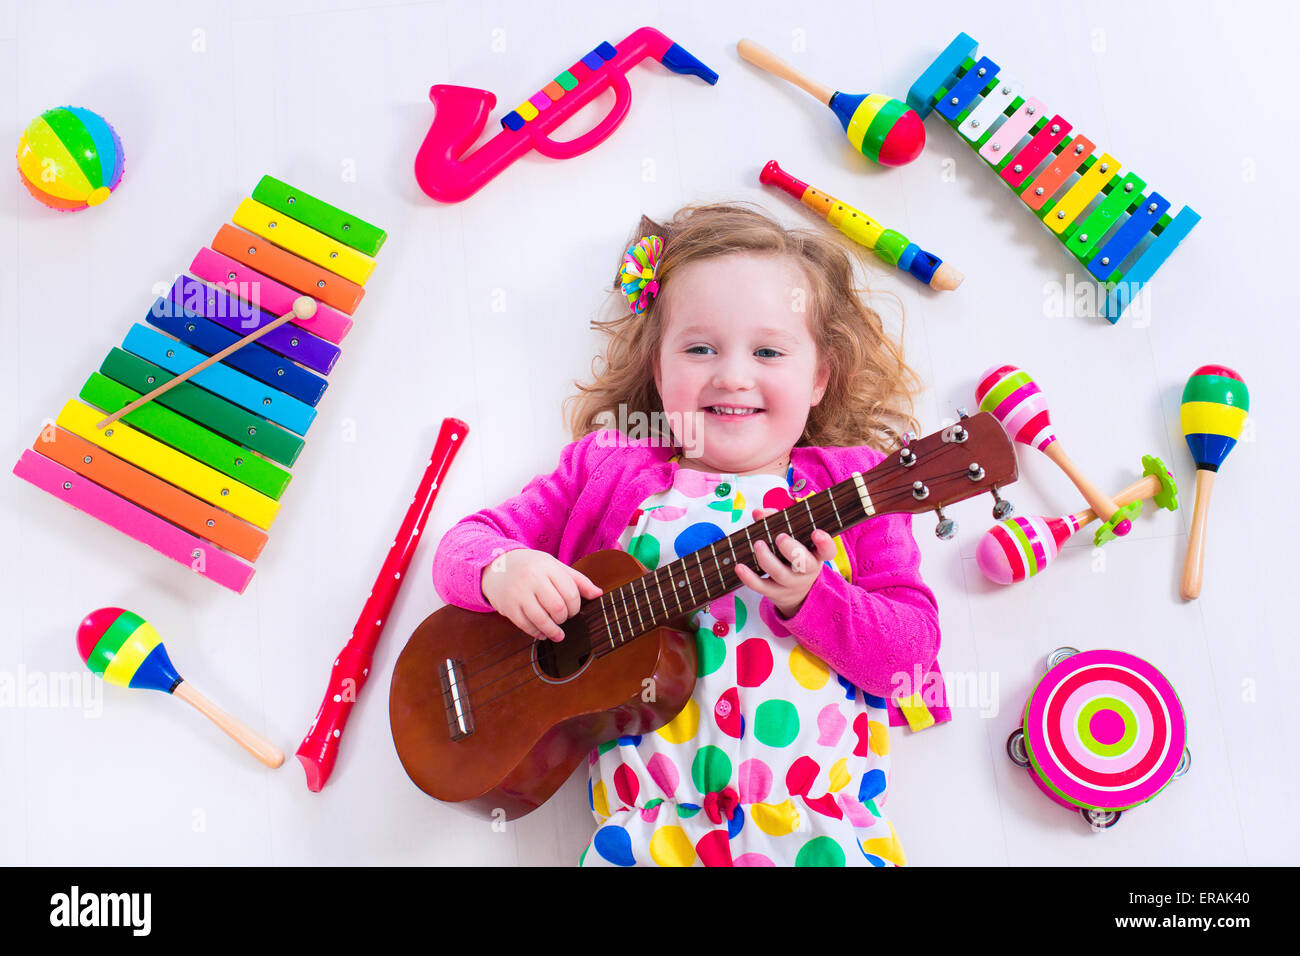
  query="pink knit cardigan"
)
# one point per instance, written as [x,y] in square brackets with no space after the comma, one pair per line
[879,632]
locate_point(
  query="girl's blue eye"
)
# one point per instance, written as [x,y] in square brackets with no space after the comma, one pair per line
[775,353]
[693,349]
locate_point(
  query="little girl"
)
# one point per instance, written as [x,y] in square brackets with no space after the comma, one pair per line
[747,347]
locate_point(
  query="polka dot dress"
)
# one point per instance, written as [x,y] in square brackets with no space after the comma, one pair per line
[775,760]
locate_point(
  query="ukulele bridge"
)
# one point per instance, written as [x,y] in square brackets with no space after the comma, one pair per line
[455,699]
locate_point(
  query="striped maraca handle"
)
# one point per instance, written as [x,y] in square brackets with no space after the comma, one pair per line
[241,733]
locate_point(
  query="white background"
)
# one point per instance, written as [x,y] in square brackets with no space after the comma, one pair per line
[480,310]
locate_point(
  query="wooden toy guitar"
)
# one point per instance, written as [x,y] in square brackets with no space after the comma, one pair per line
[483,715]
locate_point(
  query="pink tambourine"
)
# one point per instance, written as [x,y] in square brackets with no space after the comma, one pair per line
[1103,732]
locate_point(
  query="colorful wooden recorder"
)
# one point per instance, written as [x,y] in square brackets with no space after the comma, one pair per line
[881,128]
[1019,548]
[447,174]
[1017,402]
[1213,411]
[1118,232]
[198,472]
[893,247]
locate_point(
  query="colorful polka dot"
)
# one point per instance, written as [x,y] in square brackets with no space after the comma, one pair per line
[809,670]
[711,769]
[886,847]
[839,775]
[801,775]
[753,859]
[831,725]
[873,784]
[753,662]
[645,548]
[754,781]
[820,851]
[714,849]
[710,652]
[664,773]
[626,785]
[699,535]
[670,846]
[682,727]
[776,723]
[615,845]
[726,713]
[878,737]
[599,801]
[777,498]
[775,819]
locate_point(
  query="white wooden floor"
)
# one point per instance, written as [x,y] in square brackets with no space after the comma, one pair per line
[480,310]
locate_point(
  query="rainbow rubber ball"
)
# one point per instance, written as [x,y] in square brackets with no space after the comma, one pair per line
[70,158]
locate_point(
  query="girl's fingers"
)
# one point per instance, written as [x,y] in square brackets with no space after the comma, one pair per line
[776,568]
[541,619]
[751,579]
[567,588]
[801,560]
[585,586]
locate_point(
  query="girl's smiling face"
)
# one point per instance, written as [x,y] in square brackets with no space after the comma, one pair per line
[738,369]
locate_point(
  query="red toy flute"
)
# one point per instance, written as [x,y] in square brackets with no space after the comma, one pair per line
[320,748]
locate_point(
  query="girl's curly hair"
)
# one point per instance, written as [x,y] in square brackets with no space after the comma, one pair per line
[871,388]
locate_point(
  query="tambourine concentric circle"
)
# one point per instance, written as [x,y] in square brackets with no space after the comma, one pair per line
[1104,730]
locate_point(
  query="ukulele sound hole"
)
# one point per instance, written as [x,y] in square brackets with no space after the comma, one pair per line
[558,661]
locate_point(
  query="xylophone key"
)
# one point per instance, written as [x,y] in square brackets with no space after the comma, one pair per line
[320,215]
[1045,141]
[1081,193]
[237,279]
[138,486]
[170,465]
[298,274]
[225,381]
[1054,175]
[1007,136]
[996,103]
[1131,281]
[1087,237]
[287,233]
[202,406]
[965,90]
[291,341]
[1140,222]
[136,522]
[159,422]
[253,359]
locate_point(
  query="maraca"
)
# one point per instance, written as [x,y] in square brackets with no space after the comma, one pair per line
[1215,404]
[1019,548]
[1018,403]
[124,649]
[882,128]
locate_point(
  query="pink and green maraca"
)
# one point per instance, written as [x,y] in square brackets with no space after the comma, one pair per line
[1015,400]
[124,649]
[1213,412]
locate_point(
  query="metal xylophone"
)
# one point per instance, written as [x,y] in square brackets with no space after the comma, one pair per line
[1126,234]
[198,473]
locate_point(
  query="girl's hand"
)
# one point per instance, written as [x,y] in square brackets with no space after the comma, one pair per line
[791,573]
[536,591]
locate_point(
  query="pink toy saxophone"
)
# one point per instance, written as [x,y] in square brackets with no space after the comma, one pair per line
[462,111]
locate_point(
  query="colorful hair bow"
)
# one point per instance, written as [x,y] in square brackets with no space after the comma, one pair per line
[637,277]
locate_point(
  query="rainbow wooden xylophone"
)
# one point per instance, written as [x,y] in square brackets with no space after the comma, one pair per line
[198,473]
[1126,234]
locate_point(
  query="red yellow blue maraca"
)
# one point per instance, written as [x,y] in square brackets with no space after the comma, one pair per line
[881,128]
[1016,401]
[1214,409]
[1019,548]
[124,649]
[70,158]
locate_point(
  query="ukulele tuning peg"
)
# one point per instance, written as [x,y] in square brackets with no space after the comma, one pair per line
[1001,507]
[962,412]
[946,527]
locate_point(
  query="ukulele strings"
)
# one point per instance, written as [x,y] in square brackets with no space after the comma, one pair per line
[821,512]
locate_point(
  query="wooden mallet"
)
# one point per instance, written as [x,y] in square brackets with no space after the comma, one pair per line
[304,307]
